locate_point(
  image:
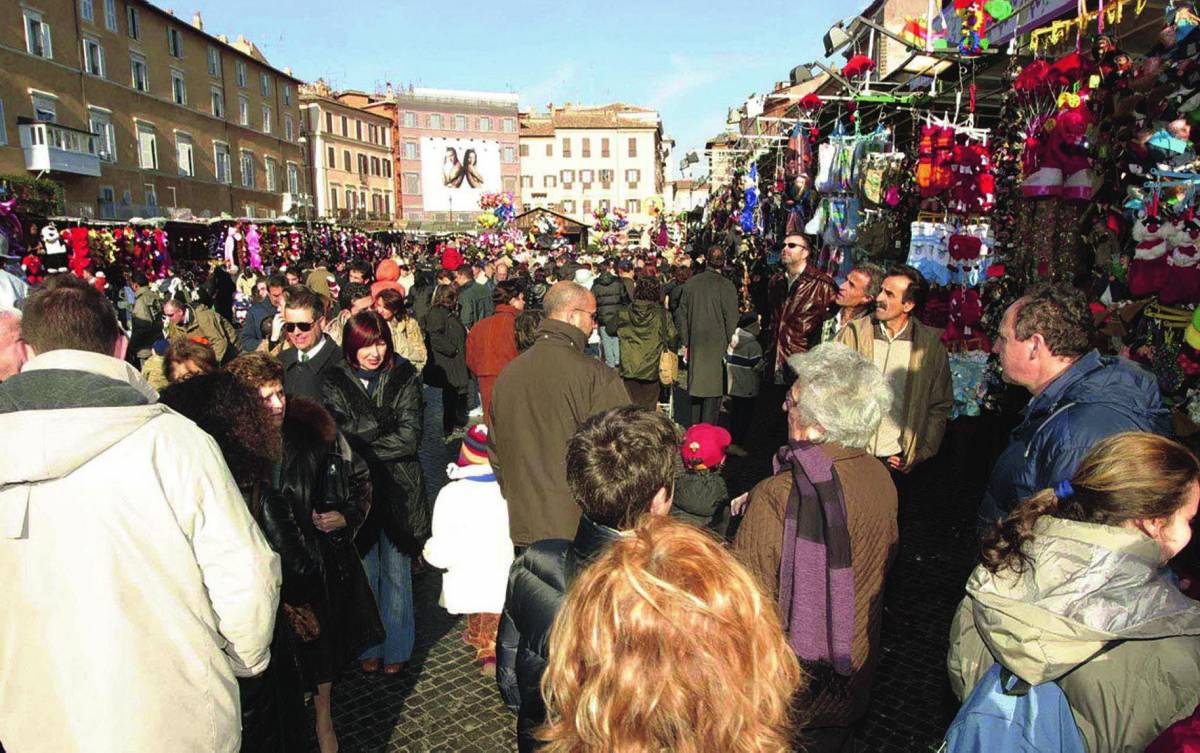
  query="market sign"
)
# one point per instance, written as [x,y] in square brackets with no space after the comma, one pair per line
[1035,14]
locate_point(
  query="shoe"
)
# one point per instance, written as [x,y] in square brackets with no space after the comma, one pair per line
[735,450]
[371,666]
[488,668]
[394,669]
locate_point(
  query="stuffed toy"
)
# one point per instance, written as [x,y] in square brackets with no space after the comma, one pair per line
[230,244]
[254,248]
[161,254]
[31,266]
[1070,140]
[1182,285]
[858,65]
[54,253]
[1149,269]
[81,253]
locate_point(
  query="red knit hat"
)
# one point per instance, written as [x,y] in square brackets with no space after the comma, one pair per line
[704,446]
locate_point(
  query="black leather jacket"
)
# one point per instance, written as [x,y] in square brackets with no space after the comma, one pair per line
[537,584]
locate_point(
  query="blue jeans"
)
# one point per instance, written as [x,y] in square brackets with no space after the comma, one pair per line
[390,575]
[610,346]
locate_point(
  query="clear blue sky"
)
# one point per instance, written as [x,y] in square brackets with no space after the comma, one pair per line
[688,60]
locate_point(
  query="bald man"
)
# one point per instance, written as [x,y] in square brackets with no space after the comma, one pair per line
[540,399]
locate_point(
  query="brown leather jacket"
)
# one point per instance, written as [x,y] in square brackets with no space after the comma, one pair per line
[797,314]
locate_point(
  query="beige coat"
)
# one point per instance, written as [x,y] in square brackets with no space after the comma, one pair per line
[1090,587]
[929,394]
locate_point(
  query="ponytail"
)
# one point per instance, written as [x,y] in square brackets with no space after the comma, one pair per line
[1003,544]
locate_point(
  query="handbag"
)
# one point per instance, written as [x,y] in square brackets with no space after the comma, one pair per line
[668,362]
[303,621]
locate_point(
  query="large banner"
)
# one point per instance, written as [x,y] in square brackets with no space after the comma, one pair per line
[455,172]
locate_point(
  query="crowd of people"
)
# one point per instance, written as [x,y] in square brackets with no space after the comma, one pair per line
[205,522]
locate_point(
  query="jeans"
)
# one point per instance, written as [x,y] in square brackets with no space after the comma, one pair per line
[610,346]
[432,451]
[390,574]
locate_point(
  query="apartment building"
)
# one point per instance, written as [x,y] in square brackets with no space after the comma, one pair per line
[138,113]
[435,134]
[576,160]
[351,156]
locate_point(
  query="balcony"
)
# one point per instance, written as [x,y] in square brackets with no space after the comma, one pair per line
[50,147]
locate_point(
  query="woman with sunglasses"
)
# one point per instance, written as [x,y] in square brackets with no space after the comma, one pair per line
[375,398]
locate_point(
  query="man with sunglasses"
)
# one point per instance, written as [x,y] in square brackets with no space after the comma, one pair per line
[799,299]
[312,353]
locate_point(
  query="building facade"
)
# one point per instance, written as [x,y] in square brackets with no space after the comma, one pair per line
[138,113]
[350,156]
[577,160]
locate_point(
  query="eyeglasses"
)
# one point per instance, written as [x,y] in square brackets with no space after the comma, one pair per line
[293,326]
[591,314]
[797,245]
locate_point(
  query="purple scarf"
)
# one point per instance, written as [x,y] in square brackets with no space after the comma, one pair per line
[816,580]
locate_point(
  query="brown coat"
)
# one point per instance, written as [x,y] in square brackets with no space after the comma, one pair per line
[929,394]
[491,344]
[539,400]
[797,312]
[871,516]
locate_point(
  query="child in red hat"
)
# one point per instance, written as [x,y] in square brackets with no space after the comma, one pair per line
[700,491]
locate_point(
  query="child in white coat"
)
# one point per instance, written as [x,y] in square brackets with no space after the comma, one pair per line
[470,541]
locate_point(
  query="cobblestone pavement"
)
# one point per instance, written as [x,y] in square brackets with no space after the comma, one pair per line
[441,703]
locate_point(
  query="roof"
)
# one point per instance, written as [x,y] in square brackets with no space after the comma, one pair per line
[722,139]
[542,210]
[536,128]
[614,115]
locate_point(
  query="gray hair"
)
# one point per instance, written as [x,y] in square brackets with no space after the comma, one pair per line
[841,391]
[875,273]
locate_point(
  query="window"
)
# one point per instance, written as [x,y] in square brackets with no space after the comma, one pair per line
[174,42]
[633,206]
[524,150]
[178,87]
[293,178]
[376,168]
[410,120]
[264,84]
[568,177]
[350,195]
[151,194]
[410,150]
[37,35]
[139,73]
[587,147]
[100,123]
[185,155]
[569,206]
[358,130]
[510,154]
[550,181]
[247,169]
[86,11]
[566,147]
[289,128]
[328,122]
[387,168]
[585,177]
[266,126]
[509,125]
[435,121]
[133,22]
[632,146]
[269,163]
[331,158]
[110,14]
[221,163]
[412,183]
[373,134]
[243,110]
[333,194]
[362,164]
[632,177]
[147,147]
[287,95]
[346,160]
[606,177]
[605,205]
[485,124]
[550,149]
[240,68]
[218,102]
[387,204]
[526,181]
[214,61]
[345,126]
[460,122]
[45,108]
[587,206]
[93,57]
[604,147]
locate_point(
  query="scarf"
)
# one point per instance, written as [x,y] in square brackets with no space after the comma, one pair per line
[370,378]
[816,580]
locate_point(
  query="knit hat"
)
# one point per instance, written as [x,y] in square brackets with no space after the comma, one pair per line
[474,446]
[704,446]
[387,271]
[451,259]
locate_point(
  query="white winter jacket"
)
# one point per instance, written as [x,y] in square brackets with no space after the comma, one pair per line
[470,540]
[134,584]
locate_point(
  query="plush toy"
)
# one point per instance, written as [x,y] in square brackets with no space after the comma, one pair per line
[857,65]
[31,266]
[230,244]
[162,255]
[1070,141]
[54,256]
[81,254]
[1149,270]
[1182,285]
[254,248]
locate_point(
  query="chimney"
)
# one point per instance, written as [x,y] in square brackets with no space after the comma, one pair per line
[241,39]
[197,21]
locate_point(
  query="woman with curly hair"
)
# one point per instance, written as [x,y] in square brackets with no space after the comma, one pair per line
[1071,589]
[666,642]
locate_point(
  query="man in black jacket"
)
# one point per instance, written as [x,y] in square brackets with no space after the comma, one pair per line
[611,296]
[313,353]
[642,447]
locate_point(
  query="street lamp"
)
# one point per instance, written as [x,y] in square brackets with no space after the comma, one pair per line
[304,193]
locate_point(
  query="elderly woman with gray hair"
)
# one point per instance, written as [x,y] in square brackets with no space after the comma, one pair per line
[821,535]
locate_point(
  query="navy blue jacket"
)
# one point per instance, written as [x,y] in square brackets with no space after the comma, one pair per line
[1093,399]
[251,334]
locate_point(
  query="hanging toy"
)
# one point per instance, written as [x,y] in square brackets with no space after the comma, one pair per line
[858,65]
[915,32]
[254,248]
[974,28]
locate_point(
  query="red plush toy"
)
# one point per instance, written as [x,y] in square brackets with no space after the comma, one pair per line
[857,66]
[81,256]
[31,264]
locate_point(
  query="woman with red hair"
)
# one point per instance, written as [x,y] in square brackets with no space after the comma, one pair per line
[375,398]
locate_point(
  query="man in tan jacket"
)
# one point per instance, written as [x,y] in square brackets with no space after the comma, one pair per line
[201,321]
[914,363]
[540,399]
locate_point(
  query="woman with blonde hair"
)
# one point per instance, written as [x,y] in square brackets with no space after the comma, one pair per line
[666,642]
[1071,589]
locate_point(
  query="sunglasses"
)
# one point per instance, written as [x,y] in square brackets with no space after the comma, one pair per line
[293,326]
[795,245]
